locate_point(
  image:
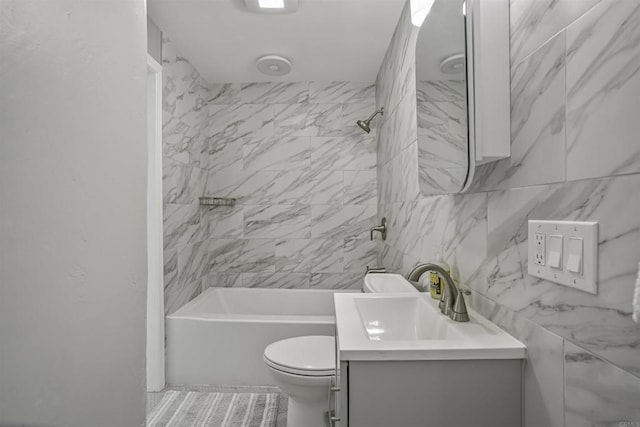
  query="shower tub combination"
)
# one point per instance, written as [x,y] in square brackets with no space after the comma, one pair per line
[219,337]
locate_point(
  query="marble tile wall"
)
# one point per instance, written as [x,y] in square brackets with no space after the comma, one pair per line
[442,142]
[304,176]
[575,89]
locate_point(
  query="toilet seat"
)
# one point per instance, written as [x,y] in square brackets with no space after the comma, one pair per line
[309,356]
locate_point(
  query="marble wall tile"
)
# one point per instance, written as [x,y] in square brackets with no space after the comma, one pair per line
[341,92]
[275,153]
[533,22]
[295,255]
[222,280]
[465,236]
[442,141]
[304,186]
[224,93]
[441,90]
[176,296]
[309,255]
[360,188]
[182,183]
[241,255]
[385,183]
[437,147]
[348,221]
[598,393]
[183,141]
[170,275]
[359,253]
[182,226]
[277,221]
[275,93]
[600,323]
[432,114]
[247,187]
[235,121]
[184,97]
[398,129]
[404,167]
[222,222]
[537,121]
[223,156]
[193,263]
[343,153]
[308,119]
[336,280]
[397,72]
[276,280]
[603,91]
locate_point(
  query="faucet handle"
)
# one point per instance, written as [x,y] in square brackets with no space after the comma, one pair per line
[459,312]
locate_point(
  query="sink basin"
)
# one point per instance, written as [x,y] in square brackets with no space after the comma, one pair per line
[387,283]
[409,326]
[403,319]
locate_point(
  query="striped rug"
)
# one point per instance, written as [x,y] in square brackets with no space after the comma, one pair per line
[199,409]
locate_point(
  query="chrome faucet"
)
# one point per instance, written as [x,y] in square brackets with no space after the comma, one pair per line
[452,302]
[382,228]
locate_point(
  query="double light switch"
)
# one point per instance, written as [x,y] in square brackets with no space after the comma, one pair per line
[564,252]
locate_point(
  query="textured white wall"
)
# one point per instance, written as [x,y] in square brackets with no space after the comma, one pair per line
[73,212]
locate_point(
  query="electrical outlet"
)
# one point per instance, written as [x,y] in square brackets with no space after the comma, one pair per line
[540,249]
[564,252]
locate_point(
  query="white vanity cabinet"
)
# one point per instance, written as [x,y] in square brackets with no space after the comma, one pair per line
[402,363]
[430,393]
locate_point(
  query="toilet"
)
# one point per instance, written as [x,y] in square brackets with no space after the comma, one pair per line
[302,368]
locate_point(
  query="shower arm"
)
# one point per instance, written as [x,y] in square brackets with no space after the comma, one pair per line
[375,113]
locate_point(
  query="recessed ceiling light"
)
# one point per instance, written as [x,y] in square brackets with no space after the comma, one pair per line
[272,6]
[273,65]
[453,64]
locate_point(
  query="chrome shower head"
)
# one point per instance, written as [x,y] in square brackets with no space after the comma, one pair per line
[365,124]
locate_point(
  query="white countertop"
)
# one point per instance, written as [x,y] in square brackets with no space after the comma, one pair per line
[436,337]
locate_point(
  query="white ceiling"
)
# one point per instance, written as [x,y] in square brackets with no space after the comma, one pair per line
[327,40]
[441,35]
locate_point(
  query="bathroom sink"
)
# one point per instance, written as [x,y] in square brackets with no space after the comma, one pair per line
[403,319]
[387,283]
[410,326]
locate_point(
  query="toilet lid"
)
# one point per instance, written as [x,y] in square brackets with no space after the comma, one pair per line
[312,355]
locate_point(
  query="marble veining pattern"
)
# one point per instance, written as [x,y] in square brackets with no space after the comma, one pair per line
[597,392]
[603,91]
[442,136]
[533,22]
[301,171]
[574,100]
[537,121]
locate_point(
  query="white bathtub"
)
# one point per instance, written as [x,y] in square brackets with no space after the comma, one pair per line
[219,337]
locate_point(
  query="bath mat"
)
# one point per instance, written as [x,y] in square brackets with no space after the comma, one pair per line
[199,409]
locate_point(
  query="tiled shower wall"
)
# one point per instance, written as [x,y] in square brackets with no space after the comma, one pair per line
[575,98]
[303,174]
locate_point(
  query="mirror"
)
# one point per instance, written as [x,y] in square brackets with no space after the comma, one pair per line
[441,97]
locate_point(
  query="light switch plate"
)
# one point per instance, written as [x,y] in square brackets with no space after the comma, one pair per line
[587,278]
